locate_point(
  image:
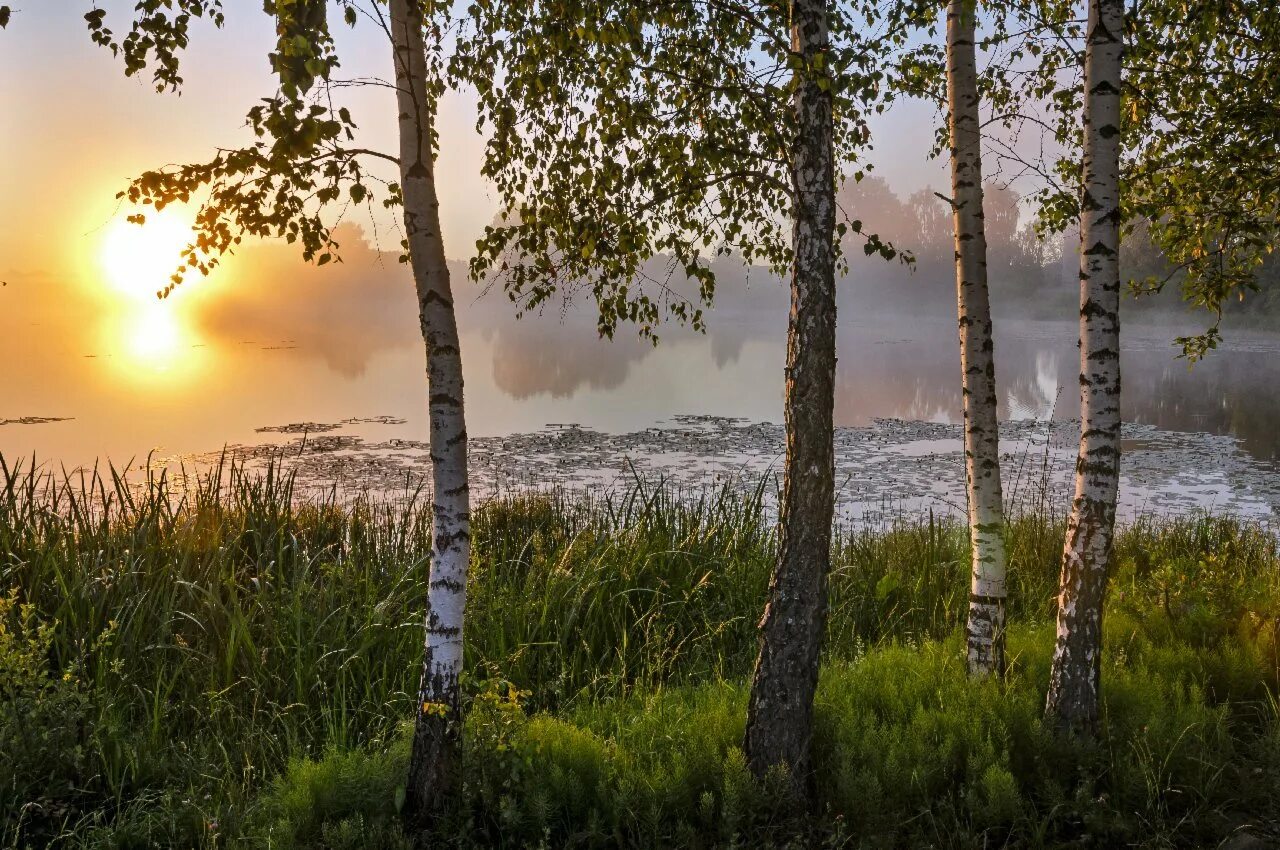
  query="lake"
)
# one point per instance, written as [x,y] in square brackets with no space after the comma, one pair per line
[550,403]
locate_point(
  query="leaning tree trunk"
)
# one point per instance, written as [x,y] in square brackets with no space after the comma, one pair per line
[977,359]
[780,713]
[436,730]
[1074,680]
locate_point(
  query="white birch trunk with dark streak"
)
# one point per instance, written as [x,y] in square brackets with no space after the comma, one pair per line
[1074,680]
[985,628]
[436,730]
[780,710]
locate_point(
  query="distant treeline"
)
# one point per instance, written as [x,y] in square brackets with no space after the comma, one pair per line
[1029,275]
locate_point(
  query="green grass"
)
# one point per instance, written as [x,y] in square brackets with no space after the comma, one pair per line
[232,666]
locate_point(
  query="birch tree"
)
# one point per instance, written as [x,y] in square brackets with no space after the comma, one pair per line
[438,707]
[985,625]
[950,78]
[1074,681]
[1189,155]
[1201,171]
[304,169]
[1193,148]
[624,131]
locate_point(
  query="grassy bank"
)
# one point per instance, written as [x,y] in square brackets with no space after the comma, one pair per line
[233,667]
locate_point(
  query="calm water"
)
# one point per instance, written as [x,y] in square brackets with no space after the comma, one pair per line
[182,391]
[524,375]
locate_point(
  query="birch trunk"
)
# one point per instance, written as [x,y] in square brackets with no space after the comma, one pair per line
[1074,679]
[436,730]
[780,711]
[985,628]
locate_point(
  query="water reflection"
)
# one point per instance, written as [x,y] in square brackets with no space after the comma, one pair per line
[1035,395]
[154,337]
[1232,392]
[909,370]
[535,358]
[269,341]
[344,314]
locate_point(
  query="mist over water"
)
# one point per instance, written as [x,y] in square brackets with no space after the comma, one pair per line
[331,359]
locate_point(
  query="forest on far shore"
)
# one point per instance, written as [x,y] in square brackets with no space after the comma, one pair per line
[1032,275]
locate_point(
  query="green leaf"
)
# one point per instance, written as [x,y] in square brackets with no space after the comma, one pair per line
[888,583]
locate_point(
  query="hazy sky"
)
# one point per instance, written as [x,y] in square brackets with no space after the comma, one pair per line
[76,129]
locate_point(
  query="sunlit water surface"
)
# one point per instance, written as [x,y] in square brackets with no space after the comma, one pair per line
[550,404]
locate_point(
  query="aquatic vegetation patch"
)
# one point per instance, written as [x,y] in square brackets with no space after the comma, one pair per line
[891,469]
[35,420]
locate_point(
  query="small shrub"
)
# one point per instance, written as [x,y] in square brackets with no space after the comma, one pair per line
[45,764]
[345,799]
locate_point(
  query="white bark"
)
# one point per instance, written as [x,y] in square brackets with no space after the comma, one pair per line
[438,698]
[1075,676]
[985,628]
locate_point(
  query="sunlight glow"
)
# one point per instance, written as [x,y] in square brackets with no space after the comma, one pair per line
[153,335]
[153,340]
[139,259]
[154,345]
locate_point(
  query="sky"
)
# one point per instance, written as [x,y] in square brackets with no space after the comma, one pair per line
[77,129]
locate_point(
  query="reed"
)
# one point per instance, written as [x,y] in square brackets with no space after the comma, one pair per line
[194,635]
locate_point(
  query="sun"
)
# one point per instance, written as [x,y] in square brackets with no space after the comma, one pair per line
[139,259]
[151,340]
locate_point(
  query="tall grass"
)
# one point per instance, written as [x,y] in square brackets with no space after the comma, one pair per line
[194,641]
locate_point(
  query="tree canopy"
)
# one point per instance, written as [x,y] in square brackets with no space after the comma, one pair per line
[629,131]
[1204,163]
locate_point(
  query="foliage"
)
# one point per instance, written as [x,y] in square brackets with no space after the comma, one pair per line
[241,660]
[1199,171]
[342,801]
[42,724]
[157,35]
[618,136]
[1200,129]
[909,751]
[617,139]
[1203,171]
